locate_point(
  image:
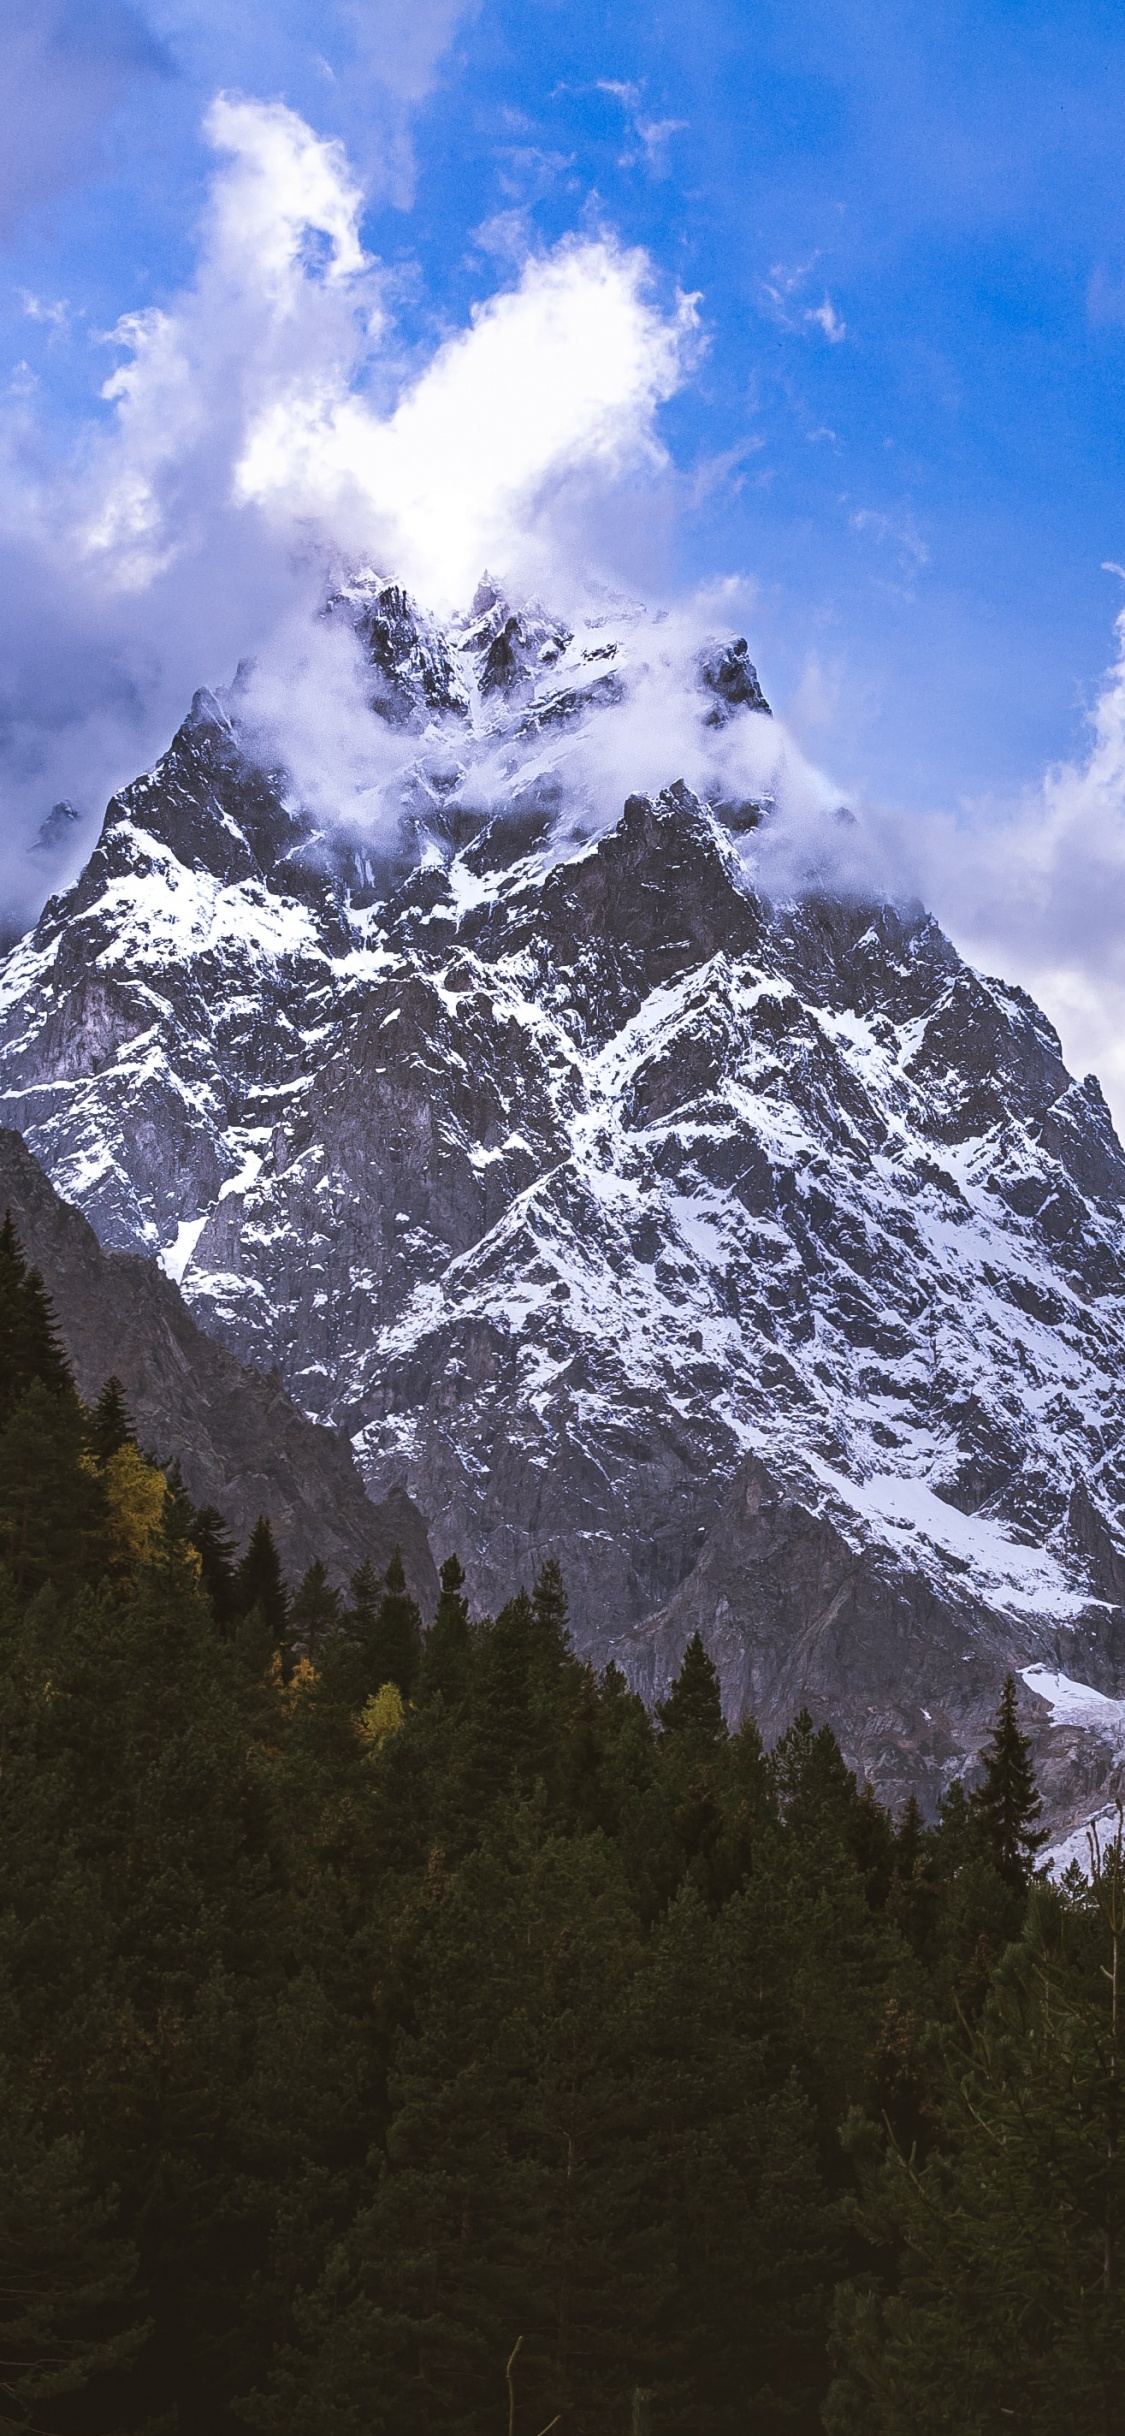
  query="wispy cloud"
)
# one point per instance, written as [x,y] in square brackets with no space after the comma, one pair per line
[827,319]
[1036,892]
[653,135]
[781,296]
[55,314]
[897,531]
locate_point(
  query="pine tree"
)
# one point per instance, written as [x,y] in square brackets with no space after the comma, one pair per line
[209,1535]
[694,1706]
[1006,2307]
[551,1610]
[110,1426]
[395,1645]
[261,1598]
[509,1736]
[29,1346]
[447,1650]
[315,1613]
[816,1789]
[52,1505]
[1006,1806]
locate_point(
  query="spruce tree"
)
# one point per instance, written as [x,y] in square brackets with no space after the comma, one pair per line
[1005,2306]
[29,1346]
[1007,1804]
[694,1706]
[315,1613]
[363,1605]
[816,1789]
[210,1536]
[395,1646]
[111,1425]
[261,1598]
[447,1651]
[52,1505]
[509,1737]
[551,1610]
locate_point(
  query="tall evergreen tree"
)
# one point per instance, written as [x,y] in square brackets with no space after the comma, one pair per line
[447,1650]
[694,1706]
[1008,2309]
[29,1345]
[211,1538]
[315,1614]
[1006,1805]
[510,1736]
[550,1607]
[68,2307]
[395,1645]
[260,1596]
[52,1505]
[111,1425]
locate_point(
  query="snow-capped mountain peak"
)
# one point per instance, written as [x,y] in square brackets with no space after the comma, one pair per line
[762,1261]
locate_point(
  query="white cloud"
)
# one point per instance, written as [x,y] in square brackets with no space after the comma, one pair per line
[259,422]
[564,371]
[283,299]
[1038,895]
[827,319]
[266,366]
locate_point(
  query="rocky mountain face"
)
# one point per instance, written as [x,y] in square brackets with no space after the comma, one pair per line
[758,1259]
[241,1443]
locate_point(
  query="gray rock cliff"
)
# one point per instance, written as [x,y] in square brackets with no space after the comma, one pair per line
[241,1442]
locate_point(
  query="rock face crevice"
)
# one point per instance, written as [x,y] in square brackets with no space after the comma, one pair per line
[586,1190]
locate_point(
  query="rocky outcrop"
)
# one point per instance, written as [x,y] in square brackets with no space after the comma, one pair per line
[797,1611]
[241,1442]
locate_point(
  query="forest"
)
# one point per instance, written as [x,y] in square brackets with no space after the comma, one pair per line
[402,2030]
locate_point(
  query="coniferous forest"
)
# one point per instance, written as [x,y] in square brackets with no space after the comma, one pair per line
[400,2029]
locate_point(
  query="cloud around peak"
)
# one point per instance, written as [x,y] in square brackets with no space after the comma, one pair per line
[259,424]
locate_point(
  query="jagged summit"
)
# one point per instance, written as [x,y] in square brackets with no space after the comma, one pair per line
[762,1262]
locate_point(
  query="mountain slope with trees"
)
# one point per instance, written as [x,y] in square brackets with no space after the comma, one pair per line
[397,2019]
[238,1436]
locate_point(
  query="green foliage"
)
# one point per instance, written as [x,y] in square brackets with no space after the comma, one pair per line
[261,1600]
[1006,1805]
[1009,2309]
[446,1665]
[694,1707]
[66,2280]
[394,1644]
[110,1426]
[30,1352]
[315,1613]
[215,1548]
[52,1504]
[374,2006]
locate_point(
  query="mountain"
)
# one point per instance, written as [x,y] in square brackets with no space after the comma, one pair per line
[749,1252]
[240,1440]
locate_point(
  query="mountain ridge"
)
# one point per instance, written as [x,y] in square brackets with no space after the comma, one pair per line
[569,1173]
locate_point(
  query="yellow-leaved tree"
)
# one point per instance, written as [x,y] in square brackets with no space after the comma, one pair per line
[380,1717]
[136,1494]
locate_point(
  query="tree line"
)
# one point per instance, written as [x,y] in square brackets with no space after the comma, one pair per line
[403,2030]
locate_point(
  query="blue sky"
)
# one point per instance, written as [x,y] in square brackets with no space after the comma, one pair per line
[900,422]
[925,500]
